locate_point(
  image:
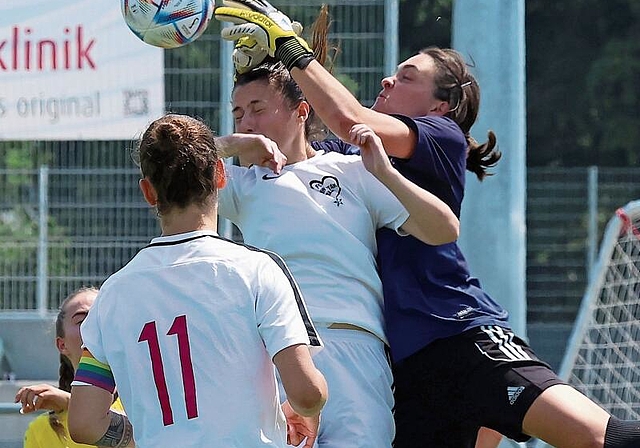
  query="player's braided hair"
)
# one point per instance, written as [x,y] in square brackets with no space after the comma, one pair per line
[456,85]
[178,155]
[66,371]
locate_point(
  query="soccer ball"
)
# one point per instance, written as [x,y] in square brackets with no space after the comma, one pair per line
[167,23]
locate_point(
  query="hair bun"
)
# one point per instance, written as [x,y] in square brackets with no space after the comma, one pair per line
[168,134]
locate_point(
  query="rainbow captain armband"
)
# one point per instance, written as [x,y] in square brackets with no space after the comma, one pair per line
[92,372]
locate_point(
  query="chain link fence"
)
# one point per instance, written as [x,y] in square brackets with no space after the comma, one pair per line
[61,228]
[567,210]
[70,211]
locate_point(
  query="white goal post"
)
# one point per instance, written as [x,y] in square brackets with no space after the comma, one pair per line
[602,359]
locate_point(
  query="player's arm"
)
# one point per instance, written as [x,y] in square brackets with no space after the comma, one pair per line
[260,22]
[252,149]
[306,391]
[305,386]
[430,219]
[42,396]
[93,423]
[90,420]
[488,438]
[340,110]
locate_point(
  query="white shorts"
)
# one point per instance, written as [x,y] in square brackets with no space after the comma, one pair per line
[358,413]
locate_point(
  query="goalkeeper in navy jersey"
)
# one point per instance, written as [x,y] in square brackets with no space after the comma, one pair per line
[457,365]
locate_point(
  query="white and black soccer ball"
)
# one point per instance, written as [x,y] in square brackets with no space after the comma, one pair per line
[167,23]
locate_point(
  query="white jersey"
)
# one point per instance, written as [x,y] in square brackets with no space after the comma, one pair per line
[321,216]
[189,328]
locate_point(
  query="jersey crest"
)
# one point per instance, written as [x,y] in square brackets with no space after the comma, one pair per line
[330,186]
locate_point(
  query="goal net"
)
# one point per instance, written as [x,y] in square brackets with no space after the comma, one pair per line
[603,354]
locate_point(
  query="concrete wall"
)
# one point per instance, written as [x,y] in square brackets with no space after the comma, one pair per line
[29,346]
[33,358]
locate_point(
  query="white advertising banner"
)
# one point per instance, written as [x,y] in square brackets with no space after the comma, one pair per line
[72,70]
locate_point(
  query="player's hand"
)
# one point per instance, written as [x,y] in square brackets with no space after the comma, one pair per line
[42,396]
[374,158]
[300,428]
[270,28]
[259,150]
[248,53]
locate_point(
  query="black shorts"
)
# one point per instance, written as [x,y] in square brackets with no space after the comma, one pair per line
[486,376]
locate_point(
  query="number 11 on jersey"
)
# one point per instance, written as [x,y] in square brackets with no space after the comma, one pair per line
[149,334]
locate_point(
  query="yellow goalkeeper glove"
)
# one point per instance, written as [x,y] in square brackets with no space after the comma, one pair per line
[248,54]
[271,30]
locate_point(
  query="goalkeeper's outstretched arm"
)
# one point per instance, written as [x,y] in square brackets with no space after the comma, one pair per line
[334,104]
[340,110]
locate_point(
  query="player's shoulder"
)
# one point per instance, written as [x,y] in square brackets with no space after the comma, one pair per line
[263,255]
[335,145]
[443,129]
[332,159]
[237,173]
[240,253]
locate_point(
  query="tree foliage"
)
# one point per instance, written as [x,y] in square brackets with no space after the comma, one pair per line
[424,23]
[583,65]
[582,69]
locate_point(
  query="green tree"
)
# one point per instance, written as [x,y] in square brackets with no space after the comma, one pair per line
[582,73]
[423,23]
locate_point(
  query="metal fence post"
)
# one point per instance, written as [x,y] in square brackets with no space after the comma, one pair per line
[225,125]
[592,231]
[391,20]
[43,239]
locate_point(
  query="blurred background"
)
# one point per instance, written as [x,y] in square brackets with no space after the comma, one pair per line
[71,214]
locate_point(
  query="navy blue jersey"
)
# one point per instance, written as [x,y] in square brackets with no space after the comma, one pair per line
[428,291]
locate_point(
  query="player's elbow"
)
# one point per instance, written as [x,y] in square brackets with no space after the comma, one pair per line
[444,230]
[303,383]
[309,405]
[84,426]
[81,438]
[80,430]
[310,400]
[347,116]
[449,231]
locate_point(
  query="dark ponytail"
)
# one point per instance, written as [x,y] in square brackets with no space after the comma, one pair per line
[482,156]
[66,374]
[456,85]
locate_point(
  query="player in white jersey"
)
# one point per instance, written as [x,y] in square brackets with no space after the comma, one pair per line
[190,329]
[307,211]
[321,213]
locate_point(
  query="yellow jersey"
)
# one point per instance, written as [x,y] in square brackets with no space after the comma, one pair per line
[40,434]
